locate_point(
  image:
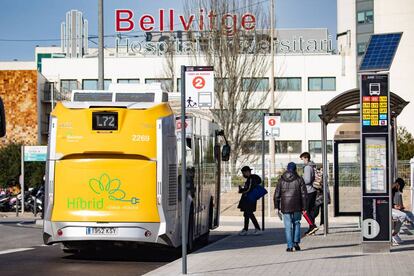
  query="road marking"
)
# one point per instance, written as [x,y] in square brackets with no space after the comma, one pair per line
[14,250]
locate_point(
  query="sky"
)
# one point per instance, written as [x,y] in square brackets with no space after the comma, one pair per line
[39,20]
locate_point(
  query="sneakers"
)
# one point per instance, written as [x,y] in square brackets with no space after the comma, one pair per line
[243,233]
[398,239]
[289,249]
[394,241]
[297,247]
[257,232]
[312,230]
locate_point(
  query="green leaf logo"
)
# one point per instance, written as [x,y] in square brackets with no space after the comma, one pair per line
[110,188]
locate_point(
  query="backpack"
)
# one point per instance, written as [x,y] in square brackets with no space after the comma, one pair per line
[318,181]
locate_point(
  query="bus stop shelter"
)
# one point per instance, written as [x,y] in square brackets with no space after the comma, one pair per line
[343,109]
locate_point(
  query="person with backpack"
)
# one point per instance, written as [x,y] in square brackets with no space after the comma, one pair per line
[290,199]
[318,185]
[309,178]
[248,207]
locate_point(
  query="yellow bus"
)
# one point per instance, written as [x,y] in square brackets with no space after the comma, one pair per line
[113,171]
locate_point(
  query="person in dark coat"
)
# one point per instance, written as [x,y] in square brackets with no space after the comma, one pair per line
[290,198]
[247,207]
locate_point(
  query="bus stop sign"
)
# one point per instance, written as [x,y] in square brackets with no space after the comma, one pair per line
[375,155]
[271,125]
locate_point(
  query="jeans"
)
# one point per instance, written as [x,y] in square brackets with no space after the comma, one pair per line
[400,217]
[292,228]
[247,216]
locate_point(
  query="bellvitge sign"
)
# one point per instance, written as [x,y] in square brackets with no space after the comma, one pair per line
[169,21]
[187,34]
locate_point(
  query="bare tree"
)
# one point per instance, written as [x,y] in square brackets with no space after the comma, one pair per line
[241,60]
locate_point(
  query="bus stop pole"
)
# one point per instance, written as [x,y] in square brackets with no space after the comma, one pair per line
[412,181]
[22,182]
[263,172]
[325,178]
[183,176]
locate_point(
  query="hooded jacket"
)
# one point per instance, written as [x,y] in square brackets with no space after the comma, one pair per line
[290,195]
[309,176]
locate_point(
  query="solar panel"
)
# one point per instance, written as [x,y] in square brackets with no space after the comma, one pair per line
[380,52]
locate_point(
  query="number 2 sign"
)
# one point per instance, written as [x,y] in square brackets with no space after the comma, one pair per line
[199,87]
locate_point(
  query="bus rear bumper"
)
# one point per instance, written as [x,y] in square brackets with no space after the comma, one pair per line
[61,232]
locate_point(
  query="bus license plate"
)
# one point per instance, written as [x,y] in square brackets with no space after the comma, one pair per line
[104,231]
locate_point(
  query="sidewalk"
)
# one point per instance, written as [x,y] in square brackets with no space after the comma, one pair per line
[27,217]
[337,254]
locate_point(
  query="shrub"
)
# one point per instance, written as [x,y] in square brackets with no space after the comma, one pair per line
[10,167]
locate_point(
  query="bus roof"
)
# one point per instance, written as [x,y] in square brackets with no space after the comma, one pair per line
[122,93]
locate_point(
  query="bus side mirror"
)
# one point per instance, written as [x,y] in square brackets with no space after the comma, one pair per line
[225,153]
[2,120]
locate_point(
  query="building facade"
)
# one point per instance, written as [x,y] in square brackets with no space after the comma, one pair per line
[309,73]
[22,90]
[357,20]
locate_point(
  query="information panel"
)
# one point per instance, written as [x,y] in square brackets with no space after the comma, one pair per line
[375,164]
[374,103]
[375,180]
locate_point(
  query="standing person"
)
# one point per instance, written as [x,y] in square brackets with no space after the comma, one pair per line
[309,178]
[247,207]
[290,198]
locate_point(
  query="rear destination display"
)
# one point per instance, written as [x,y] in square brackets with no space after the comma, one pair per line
[105,121]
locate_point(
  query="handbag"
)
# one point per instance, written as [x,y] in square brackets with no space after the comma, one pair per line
[256,193]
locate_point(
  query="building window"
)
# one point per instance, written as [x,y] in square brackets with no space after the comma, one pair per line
[222,84]
[166,84]
[315,146]
[66,86]
[281,147]
[290,115]
[128,80]
[288,146]
[365,17]
[92,84]
[255,84]
[313,115]
[253,115]
[288,84]
[322,84]
[361,48]
[254,147]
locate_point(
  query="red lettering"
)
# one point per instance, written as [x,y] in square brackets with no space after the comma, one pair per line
[201,25]
[171,20]
[212,17]
[248,21]
[128,22]
[186,25]
[230,26]
[161,20]
[145,20]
